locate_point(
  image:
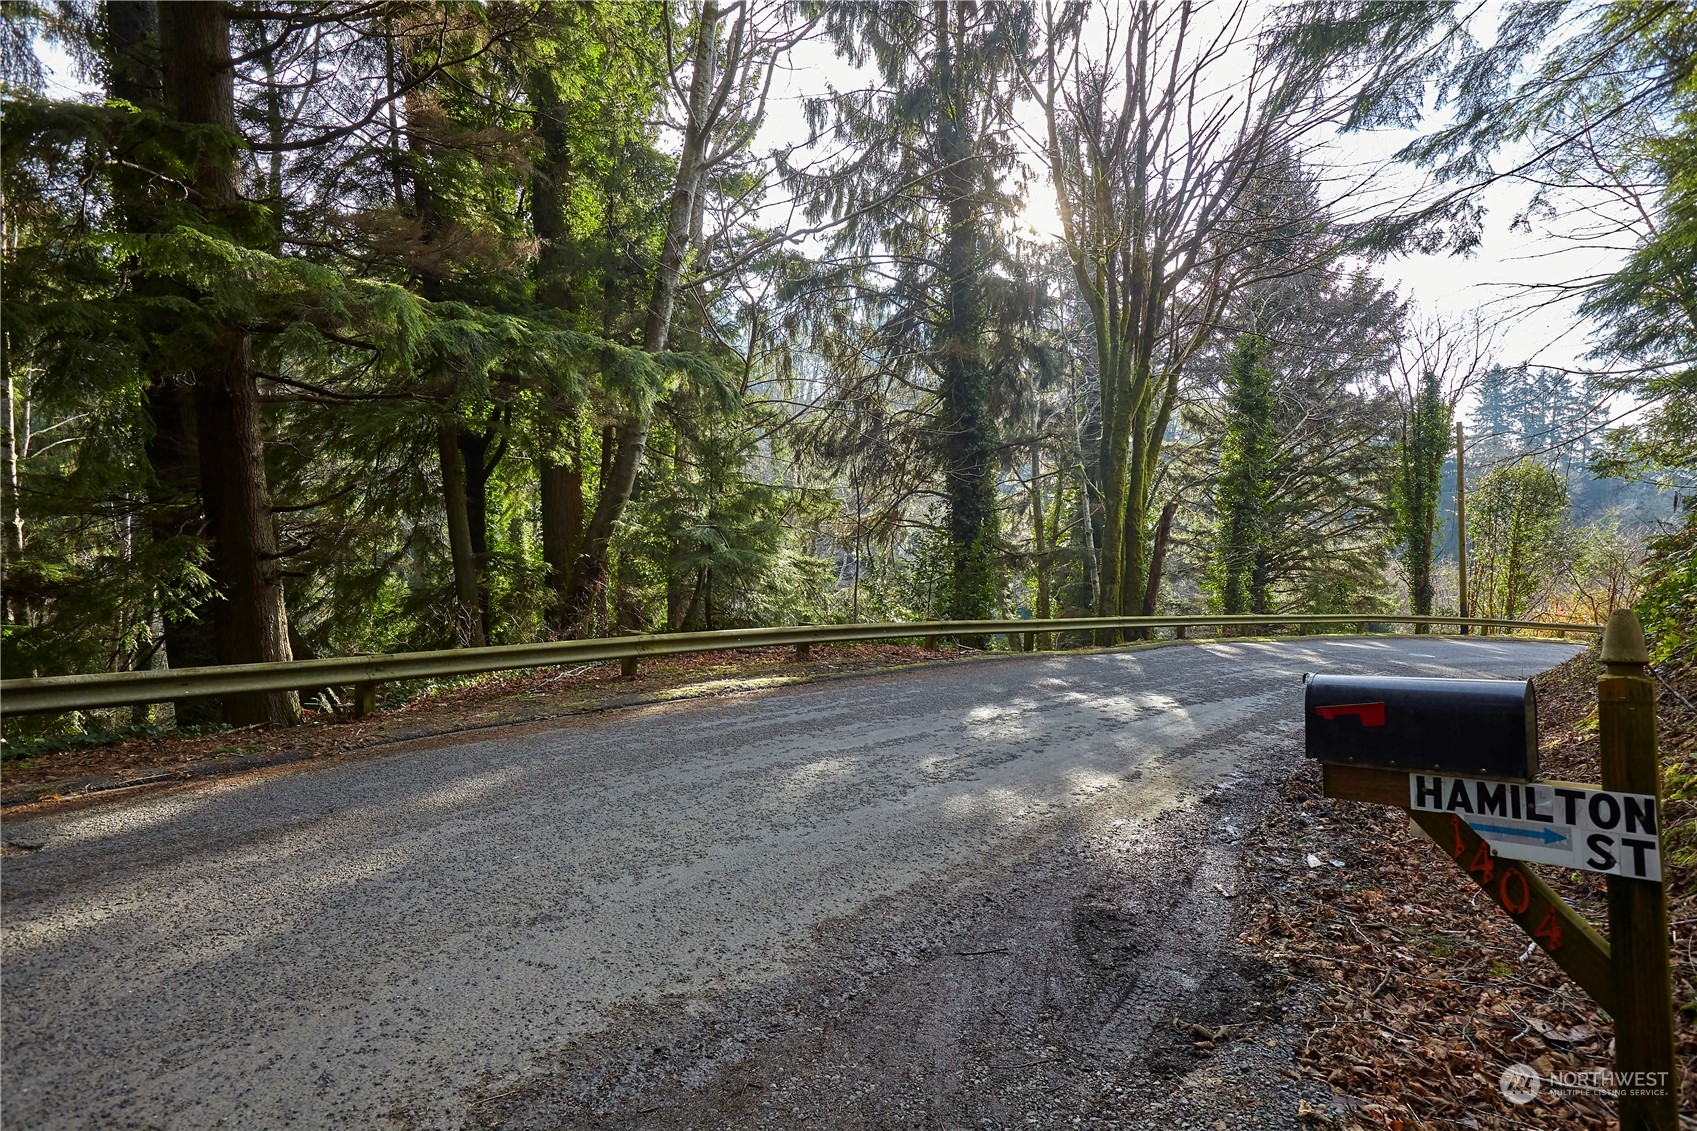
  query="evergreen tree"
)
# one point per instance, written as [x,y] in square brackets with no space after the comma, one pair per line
[1517,528]
[924,185]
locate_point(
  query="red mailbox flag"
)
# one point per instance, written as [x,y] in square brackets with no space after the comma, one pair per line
[1370,714]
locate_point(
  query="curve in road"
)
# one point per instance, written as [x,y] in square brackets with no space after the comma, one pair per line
[373,937]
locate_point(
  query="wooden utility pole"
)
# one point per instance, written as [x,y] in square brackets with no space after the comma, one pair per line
[1638,912]
[1461,515]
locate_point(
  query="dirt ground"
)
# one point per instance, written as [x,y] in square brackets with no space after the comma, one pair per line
[1426,990]
[1098,982]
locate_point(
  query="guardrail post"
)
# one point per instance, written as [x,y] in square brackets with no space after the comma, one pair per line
[627,667]
[804,651]
[365,699]
[1638,911]
[1029,642]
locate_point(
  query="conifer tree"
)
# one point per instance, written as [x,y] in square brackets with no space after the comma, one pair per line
[924,185]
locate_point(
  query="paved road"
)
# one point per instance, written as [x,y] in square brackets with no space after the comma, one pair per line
[341,945]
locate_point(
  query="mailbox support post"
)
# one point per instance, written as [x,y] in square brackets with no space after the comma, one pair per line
[1638,910]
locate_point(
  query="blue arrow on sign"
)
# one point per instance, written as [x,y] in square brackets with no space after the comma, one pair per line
[1548,836]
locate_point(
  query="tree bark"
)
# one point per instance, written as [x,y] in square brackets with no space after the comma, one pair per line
[251,622]
[561,487]
[1158,559]
[468,616]
[175,511]
[173,452]
[11,520]
[478,466]
[560,482]
[588,583]
[1039,539]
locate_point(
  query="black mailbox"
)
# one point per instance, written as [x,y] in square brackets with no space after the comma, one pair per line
[1483,727]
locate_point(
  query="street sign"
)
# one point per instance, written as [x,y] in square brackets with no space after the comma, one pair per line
[1570,826]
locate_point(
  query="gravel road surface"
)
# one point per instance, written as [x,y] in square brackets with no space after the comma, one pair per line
[392,940]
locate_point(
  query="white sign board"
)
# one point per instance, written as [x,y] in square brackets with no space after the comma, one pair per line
[1569,826]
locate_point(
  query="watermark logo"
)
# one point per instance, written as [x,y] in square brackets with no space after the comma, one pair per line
[1520,1083]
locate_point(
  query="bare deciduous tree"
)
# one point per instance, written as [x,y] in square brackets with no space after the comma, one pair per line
[1153,145]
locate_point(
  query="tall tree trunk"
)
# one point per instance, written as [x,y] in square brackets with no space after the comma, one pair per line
[478,466]
[969,481]
[468,615]
[1113,462]
[172,449]
[1089,513]
[561,487]
[1086,539]
[1039,536]
[1040,544]
[559,468]
[588,584]
[252,625]
[11,519]
[175,511]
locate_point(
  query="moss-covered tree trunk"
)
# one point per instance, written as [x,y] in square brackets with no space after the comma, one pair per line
[1423,447]
[1238,575]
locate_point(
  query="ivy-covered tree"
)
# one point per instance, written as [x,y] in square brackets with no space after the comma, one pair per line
[1517,527]
[1242,493]
[1422,447]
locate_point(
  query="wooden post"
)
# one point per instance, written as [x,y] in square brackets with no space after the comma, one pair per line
[1638,910]
[804,651]
[627,667]
[1028,642]
[365,699]
[1461,515]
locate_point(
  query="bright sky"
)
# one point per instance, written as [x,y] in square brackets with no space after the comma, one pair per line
[1492,278]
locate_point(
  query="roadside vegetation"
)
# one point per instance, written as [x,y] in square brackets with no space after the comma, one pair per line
[432,325]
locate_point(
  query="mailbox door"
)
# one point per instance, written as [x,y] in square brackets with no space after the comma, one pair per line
[1472,727]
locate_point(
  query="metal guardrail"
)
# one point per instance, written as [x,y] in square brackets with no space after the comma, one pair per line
[365,673]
